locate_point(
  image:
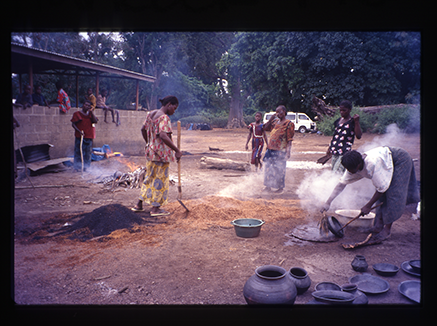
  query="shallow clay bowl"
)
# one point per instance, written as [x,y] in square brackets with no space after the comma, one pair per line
[415,265]
[385,269]
[327,286]
[333,296]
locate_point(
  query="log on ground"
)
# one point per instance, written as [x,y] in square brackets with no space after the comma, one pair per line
[219,163]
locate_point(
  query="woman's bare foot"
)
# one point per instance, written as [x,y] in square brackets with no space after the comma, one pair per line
[385,232]
[378,224]
[156,211]
[138,207]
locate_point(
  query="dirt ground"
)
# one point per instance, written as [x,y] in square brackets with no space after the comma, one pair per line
[193,258]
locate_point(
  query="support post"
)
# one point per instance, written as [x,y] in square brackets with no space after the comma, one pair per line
[137,95]
[97,83]
[31,76]
[77,89]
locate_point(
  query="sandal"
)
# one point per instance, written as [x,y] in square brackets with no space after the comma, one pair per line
[136,209]
[160,213]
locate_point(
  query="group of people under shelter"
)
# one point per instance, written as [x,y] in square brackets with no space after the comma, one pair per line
[27,99]
[391,169]
[83,121]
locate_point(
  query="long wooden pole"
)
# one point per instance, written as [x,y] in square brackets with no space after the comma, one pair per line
[77,89]
[137,94]
[97,83]
[31,76]
[179,162]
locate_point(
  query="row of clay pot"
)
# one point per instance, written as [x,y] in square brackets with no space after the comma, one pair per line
[274,285]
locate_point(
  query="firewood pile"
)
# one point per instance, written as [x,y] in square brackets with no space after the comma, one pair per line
[129,180]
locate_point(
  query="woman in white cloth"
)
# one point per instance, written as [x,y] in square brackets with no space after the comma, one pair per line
[392,173]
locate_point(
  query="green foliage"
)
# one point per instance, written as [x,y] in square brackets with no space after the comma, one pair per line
[215,122]
[192,119]
[406,118]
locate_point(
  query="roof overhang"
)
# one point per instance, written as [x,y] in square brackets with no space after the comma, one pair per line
[46,62]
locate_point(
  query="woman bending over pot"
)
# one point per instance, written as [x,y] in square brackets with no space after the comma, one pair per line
[392,173]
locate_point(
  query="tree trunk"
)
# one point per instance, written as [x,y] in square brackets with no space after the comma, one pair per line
[235,119]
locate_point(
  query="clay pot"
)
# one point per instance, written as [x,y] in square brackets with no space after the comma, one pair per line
[269,285]
[349,287]
[359,263]
[300,278]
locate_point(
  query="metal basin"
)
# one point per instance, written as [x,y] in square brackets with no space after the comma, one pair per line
[247,227]
[345,215]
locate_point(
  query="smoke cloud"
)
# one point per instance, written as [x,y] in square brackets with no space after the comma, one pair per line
[317,186]
[249,185]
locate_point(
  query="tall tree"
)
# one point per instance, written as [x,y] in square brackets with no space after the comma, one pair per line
[150,52]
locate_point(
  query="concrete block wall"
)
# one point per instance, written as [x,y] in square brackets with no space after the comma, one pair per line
[43,125]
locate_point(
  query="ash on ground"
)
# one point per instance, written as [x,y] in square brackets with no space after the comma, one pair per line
[107,219]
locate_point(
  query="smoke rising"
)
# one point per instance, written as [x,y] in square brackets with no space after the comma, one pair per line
[317,186]
[249,185]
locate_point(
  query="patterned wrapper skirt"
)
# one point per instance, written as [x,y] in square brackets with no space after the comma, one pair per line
[403,188]
[257,149]
[274,169]
[154,190]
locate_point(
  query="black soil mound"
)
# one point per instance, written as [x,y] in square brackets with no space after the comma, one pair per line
[107,219]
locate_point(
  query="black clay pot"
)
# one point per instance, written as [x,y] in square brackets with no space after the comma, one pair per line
[300,278]
[359,263]
[269,285]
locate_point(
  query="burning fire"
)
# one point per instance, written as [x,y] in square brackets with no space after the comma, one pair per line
[132,166]
[119,157]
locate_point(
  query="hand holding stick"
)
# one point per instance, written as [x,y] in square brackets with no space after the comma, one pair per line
[179,162]
[358,217]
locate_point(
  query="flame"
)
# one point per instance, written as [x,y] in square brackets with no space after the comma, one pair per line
[132,166]
[120,158]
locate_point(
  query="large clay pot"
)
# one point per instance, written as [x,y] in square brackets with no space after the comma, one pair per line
[269,285]
[300,278]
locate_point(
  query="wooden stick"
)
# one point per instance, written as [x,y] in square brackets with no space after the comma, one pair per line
[81,152]
[358,217]
[49,186]
[179,162]
[102,278]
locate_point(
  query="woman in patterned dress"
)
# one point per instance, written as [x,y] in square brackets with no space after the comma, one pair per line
[160,151]
[62,99]
[278,150]
[258,135]
[346,129]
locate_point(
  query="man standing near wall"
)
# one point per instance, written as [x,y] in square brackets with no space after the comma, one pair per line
[83,124]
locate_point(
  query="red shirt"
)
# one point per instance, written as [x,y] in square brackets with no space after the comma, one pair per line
[83,122]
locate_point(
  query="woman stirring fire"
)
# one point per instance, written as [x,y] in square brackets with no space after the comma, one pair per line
[160,151]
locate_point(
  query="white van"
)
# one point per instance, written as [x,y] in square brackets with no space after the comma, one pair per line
[301,121]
